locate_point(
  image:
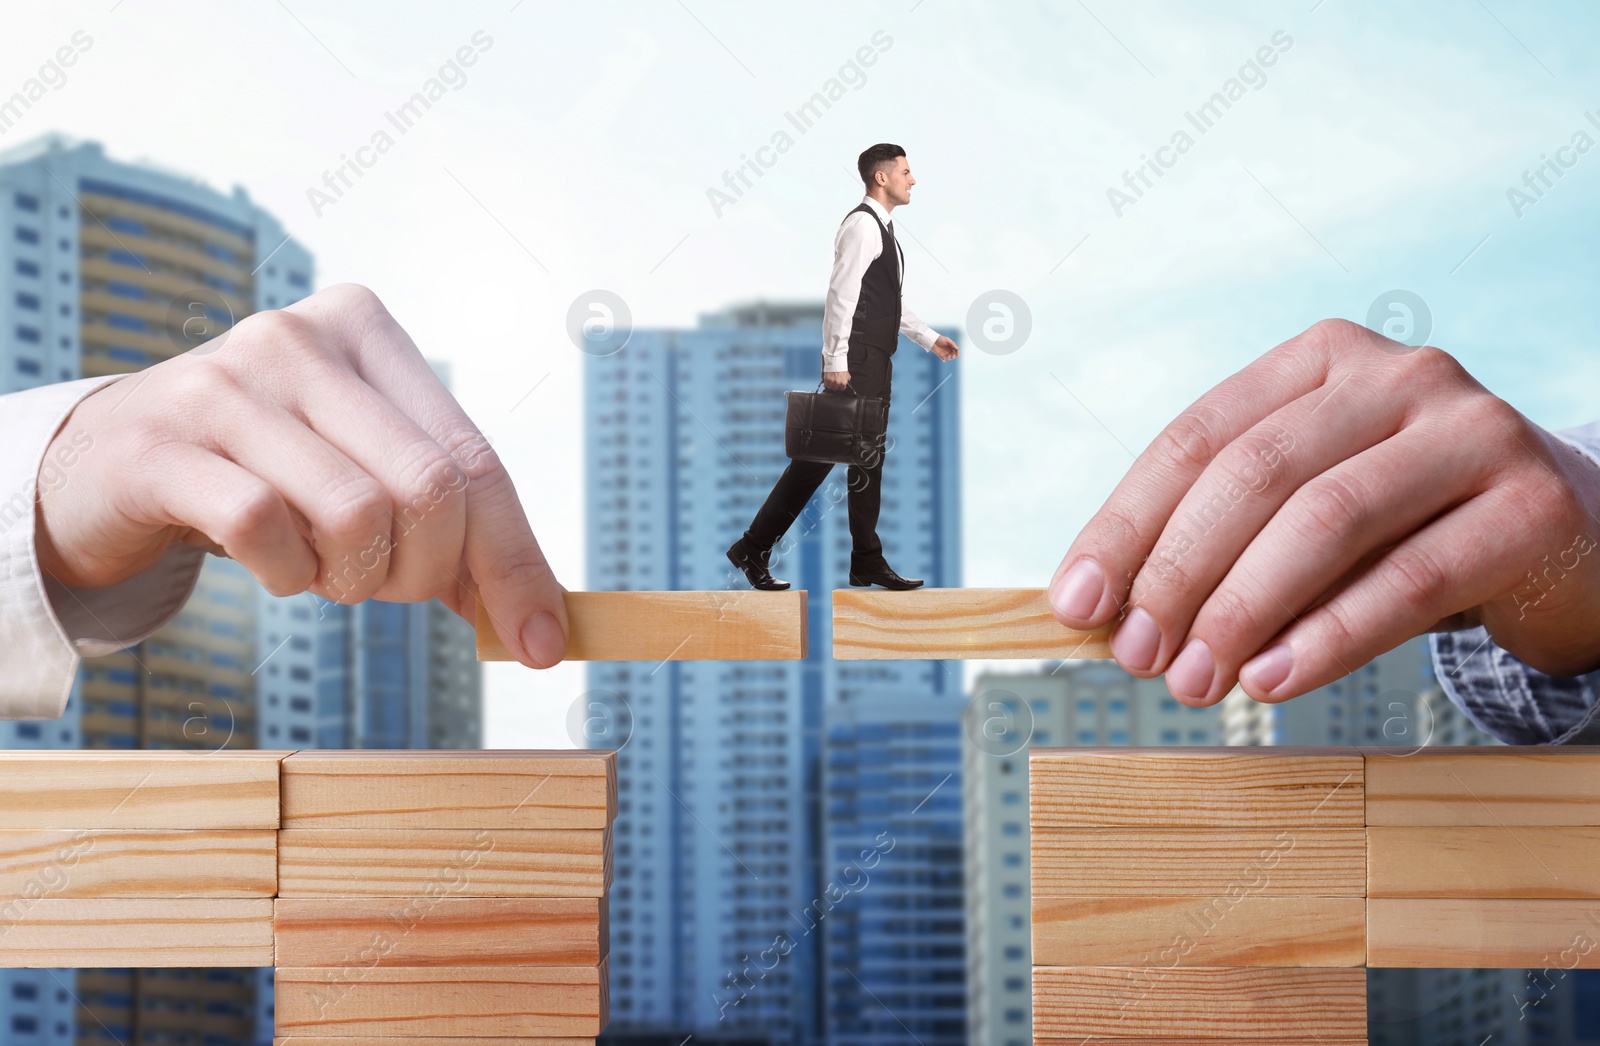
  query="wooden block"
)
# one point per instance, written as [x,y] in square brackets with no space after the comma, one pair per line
[381,862]
[477,1001]
[1200,931]
[63,862]
[441,931]
[1470,785]
[1198,862]
[423,789]
[1468,861]
[1199,1003]
[1493,933]
[55,931]
[93,789]
[872,624]
[1194,787]
[718,625]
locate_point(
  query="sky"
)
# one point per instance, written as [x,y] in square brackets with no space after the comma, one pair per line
[580,151]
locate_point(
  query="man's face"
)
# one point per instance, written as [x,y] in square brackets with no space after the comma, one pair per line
[897,181]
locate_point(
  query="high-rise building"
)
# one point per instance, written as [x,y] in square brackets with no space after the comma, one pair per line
[718,838]
[1063,703]
[890,908]
[1394,699]
[106,268]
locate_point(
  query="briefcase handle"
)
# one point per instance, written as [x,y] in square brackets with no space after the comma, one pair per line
[847,385]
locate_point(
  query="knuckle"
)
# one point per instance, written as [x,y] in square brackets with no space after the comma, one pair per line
[358,509]
[1251,461]
[255,512]
[1188,444]
[1331,509]
[1227,617]
[431,480]
[526,569]
[1340,629]
[1415,577]
[1336,333]
[473,454]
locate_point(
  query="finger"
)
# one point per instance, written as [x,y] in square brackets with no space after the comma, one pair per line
[1095,576]
[234,509]
[346,509]
[425,485]
[1457,561]
[1234,497]
[501,559]
[1334,529]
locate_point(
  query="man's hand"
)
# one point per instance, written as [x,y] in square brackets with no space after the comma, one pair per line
[836,379]
[315,446]
[1336,497]
[945,349]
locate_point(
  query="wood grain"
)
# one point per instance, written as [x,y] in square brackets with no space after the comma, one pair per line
[185,790]
[476,1001]
[1471,785]
[1200,1003]
[421,789]
[1476,861]
[138,862]
[55,931]
[1251,930]
[1198,862]
[717,625]
[1097,1040]
[381,862]
[1457,933]
[441,931]
[1198,787]
[871,624]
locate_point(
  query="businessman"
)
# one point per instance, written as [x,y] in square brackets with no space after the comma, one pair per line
[860,331]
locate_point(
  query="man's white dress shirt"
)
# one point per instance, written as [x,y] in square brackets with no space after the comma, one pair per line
[45,626]
[857,245]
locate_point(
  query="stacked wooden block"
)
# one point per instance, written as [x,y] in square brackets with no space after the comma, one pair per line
[403,896]
[1238,894]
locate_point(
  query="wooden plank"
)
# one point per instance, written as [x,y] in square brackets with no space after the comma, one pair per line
[1198,862]
[1476,861]
[1097,1040]
[1200,931]
[1197,787]
[93,789]
[1472,785]
[64,862]
[441,931]
[717,625]
[1462,933]
[872,624]
[92,931]
[442,1000]
[380,862]
[1199,1003]
[421,789]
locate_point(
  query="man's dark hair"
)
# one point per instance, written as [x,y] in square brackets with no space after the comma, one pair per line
[867,163]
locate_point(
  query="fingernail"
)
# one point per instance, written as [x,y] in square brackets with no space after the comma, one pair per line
[1135,643]
[543,640]
[1192,671]
[1077,593]
[1264,673]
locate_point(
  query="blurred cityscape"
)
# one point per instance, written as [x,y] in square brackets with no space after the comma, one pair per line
[805,852]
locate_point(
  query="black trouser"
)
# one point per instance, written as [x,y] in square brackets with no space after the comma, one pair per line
[870,369]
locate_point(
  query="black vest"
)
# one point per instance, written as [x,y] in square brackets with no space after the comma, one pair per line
[876,322]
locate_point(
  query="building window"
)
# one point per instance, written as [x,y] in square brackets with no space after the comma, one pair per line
[26,202]
[28,334]
[27,301]
[27,366]
[27,235]
[27,268]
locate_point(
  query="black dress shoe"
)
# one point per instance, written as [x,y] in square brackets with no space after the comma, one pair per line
[755,568]
[884,576]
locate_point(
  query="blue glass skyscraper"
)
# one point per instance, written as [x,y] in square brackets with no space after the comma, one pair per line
[719,840]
